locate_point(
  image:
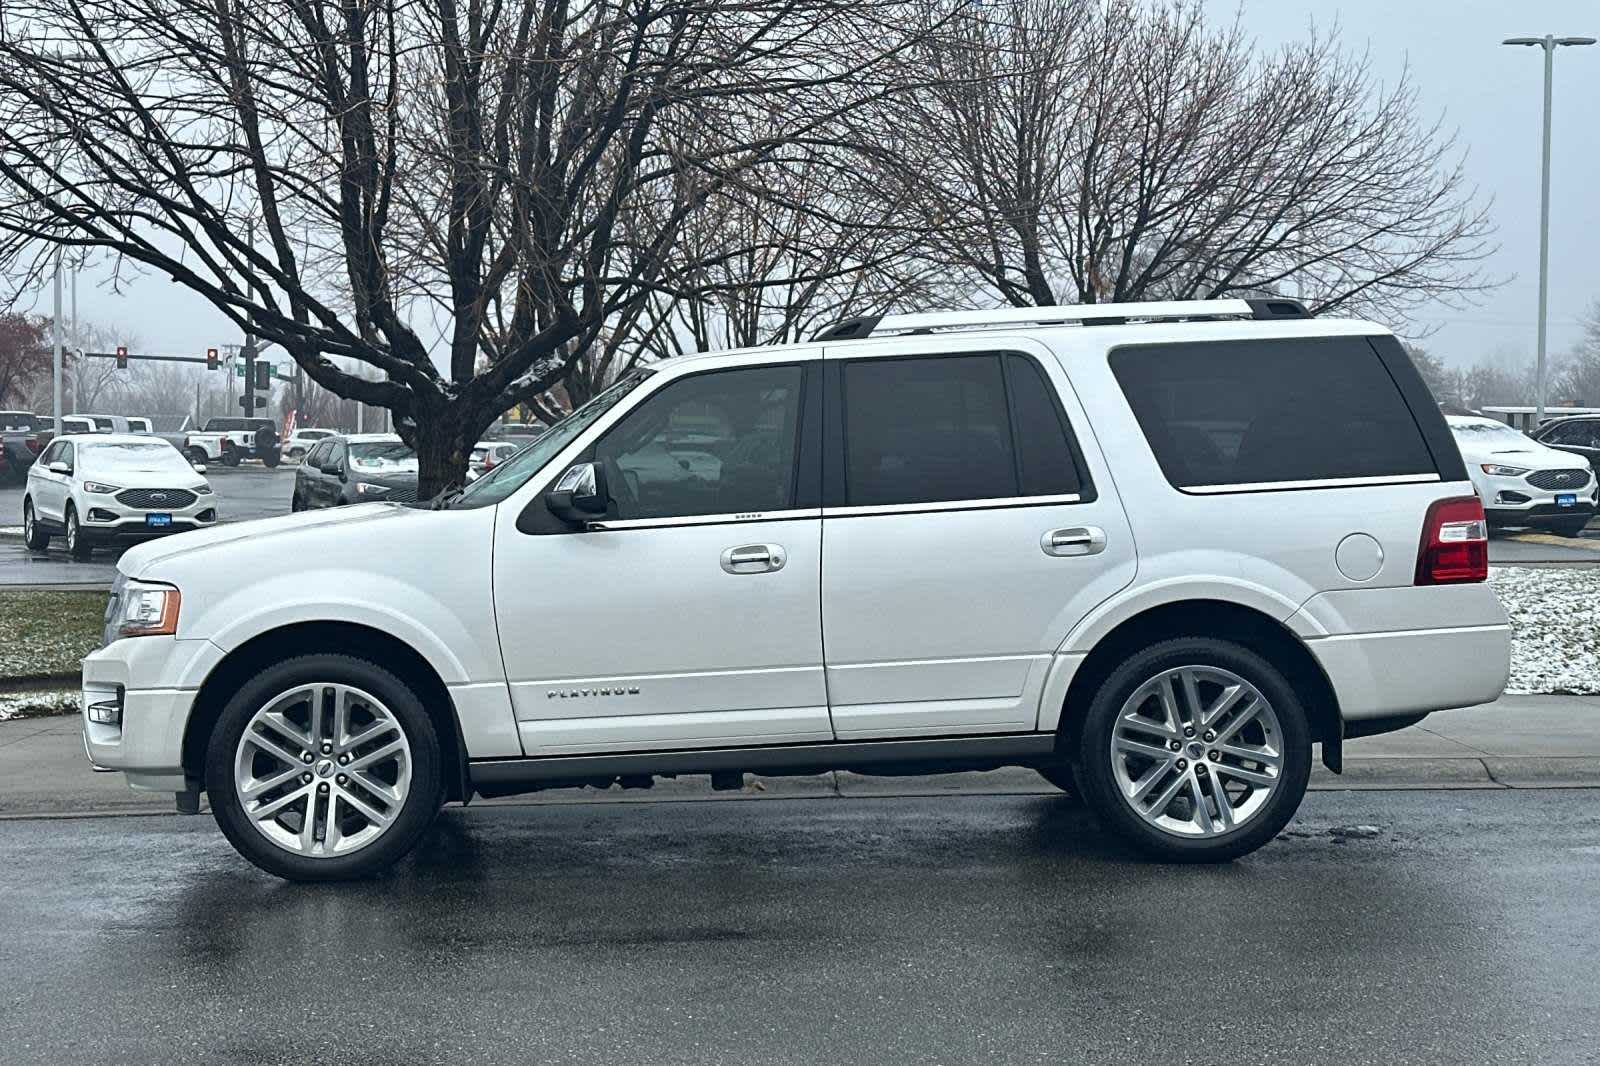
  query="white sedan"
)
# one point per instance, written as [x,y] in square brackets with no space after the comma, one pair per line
[112,487]
[1523,482]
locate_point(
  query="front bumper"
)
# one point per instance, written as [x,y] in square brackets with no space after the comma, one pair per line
[155,680]
[104,518]
[1513,501]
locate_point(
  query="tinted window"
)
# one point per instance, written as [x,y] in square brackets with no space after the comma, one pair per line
[1044,458]
[926,429]
[1579,432]
[17,422]
[1249,412]
[718,443]
[318,455]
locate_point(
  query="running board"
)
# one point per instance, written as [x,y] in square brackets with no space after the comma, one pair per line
[505,777]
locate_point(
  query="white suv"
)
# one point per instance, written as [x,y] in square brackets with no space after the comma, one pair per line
[112,488]
[1155,551]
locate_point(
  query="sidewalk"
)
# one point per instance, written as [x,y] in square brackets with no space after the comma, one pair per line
[1518,742]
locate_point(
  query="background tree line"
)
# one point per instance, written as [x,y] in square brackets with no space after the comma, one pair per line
[496,202]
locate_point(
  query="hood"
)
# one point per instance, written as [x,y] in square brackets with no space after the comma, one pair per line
[140,558]
[1526,453]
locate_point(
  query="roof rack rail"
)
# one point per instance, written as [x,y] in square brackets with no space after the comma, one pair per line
[1061,314]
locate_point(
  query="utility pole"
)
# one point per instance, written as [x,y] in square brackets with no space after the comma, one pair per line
[1549,43]
[77,338]
[55,366]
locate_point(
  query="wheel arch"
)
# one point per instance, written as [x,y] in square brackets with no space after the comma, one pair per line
[1224,620]
[350,638]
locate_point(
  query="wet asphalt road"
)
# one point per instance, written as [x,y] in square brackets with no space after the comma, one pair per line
[886,930]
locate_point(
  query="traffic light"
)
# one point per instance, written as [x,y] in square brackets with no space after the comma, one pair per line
[263,375]
[122,357]
[212,362]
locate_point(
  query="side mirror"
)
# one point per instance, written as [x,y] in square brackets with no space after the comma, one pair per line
[60,467]
[199,468]
[580,494]
[335,469]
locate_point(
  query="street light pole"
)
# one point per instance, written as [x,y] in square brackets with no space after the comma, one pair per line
[55,336]
[1549,44]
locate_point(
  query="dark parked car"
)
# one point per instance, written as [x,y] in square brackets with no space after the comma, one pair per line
[1579,434]
[362,468]
[23,436]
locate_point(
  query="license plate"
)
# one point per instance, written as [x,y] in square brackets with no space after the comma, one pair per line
[1566,499]
[158,520]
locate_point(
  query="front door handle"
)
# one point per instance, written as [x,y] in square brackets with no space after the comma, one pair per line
[1074,540]
[754,559]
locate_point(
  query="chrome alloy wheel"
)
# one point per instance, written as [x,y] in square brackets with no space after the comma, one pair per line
[322,770]
[1197,751]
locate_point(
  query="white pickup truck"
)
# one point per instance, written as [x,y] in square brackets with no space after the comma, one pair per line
[230,440]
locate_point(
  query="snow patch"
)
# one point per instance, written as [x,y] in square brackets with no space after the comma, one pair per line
[1555,627]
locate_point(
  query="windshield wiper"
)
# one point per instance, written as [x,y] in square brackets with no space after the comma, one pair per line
[445,498]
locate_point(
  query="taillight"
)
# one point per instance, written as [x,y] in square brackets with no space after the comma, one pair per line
[1455,543]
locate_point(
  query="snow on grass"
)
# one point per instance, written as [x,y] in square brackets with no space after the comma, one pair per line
[38,704]
[44,633]
[1555,624]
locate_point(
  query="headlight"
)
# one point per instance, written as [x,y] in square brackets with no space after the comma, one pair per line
[202,489]
[99,486]
[143,610]
[364,488]
[1495,470]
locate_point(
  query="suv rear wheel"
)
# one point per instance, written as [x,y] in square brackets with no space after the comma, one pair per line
[1195,750]
[33,534]
[324,768]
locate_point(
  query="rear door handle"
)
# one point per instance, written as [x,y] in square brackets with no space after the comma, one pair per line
[1074,540]
[754,559]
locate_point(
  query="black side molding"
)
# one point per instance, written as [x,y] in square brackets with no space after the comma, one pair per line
[505,777]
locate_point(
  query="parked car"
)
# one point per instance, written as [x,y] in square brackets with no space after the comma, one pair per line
[115,423]
[78,424]
[104,488]
[1157,561]
[300,442]
[1523,482]
[1579,435]
[486,454]
[23,436]
[232,440]
[359,468]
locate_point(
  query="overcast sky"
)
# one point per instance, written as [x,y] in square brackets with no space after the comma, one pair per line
[1490,93]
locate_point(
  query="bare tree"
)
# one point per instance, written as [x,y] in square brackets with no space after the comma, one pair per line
[1079,151]
[330,176]
[23,356]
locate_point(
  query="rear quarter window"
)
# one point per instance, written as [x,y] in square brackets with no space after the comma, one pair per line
[1237,414]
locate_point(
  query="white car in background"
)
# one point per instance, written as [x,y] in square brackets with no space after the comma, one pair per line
[302,441]
[487,454]
[112,487]
[1523,482]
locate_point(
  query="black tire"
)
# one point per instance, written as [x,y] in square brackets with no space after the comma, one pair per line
[1094,772]
[270,458]
[1571,527]
[294,503]
[1060,775]
[230,455]
[78,545]
[35,536]
[417,812]
[197,456]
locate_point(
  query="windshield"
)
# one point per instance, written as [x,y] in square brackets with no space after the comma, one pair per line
[157,457]
[1487,430]
[509,476]
[390,457]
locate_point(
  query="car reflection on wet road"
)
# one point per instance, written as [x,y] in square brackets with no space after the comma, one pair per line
[1425,927]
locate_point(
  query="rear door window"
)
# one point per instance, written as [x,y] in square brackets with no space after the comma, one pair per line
[1243,414]
[951,429]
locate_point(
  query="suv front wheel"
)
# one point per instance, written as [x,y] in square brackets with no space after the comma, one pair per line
[1195,750]
[324,768]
